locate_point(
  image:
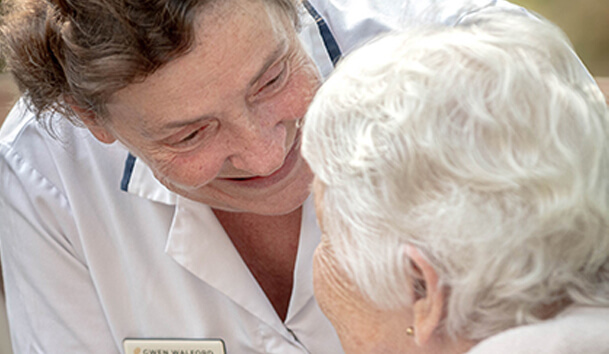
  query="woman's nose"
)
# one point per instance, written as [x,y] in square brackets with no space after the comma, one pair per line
[259,150]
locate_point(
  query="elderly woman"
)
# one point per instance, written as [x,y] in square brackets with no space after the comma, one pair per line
[462,187]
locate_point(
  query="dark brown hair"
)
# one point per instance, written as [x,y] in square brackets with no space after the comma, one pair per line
[82,51]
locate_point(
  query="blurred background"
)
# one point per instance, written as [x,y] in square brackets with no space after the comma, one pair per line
[586,22]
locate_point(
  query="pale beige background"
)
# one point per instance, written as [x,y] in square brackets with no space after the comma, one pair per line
[586,22]
[8,93]
[5,344]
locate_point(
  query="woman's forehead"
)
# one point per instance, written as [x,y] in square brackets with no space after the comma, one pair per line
[261,11]
[230,52]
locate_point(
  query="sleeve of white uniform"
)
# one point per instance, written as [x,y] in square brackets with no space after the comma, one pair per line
[52,304]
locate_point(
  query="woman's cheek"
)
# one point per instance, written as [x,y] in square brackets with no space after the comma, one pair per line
[303,86]
[185,172]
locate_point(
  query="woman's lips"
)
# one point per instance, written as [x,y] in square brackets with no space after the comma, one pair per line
[264,181]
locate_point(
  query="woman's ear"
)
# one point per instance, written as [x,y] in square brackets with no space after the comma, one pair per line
[89,118]
[428,303]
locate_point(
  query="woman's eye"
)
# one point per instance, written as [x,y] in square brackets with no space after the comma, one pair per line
[277,78]
[270,83]
[189,139]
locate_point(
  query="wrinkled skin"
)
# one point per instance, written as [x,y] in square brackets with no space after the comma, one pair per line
[366,328]
[361,326]
[220,124]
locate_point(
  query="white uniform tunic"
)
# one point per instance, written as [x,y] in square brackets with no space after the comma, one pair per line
[95,250]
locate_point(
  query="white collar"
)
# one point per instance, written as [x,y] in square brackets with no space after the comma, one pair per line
[139,180]
[197,242]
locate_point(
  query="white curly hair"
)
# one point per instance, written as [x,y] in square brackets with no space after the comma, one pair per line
[485,146]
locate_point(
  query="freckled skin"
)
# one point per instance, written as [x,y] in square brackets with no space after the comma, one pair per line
[248,127]
[219,125]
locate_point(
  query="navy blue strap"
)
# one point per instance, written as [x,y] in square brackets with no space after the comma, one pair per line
[329,41]
[129,163]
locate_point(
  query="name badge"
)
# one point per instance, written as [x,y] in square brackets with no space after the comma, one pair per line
[173,346]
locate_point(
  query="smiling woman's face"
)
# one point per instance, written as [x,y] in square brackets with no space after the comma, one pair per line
[219,124]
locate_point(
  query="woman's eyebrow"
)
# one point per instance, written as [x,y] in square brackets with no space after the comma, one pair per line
[179,124]
[270,60]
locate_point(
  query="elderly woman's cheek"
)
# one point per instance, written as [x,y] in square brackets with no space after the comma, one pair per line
[331,286]
[320,281]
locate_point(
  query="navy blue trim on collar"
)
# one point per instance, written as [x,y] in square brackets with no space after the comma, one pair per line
[129,163]
[331,45]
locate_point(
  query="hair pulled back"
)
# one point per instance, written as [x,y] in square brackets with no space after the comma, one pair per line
[80,52]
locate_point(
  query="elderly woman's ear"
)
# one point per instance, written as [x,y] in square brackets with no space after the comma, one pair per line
[427,295]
